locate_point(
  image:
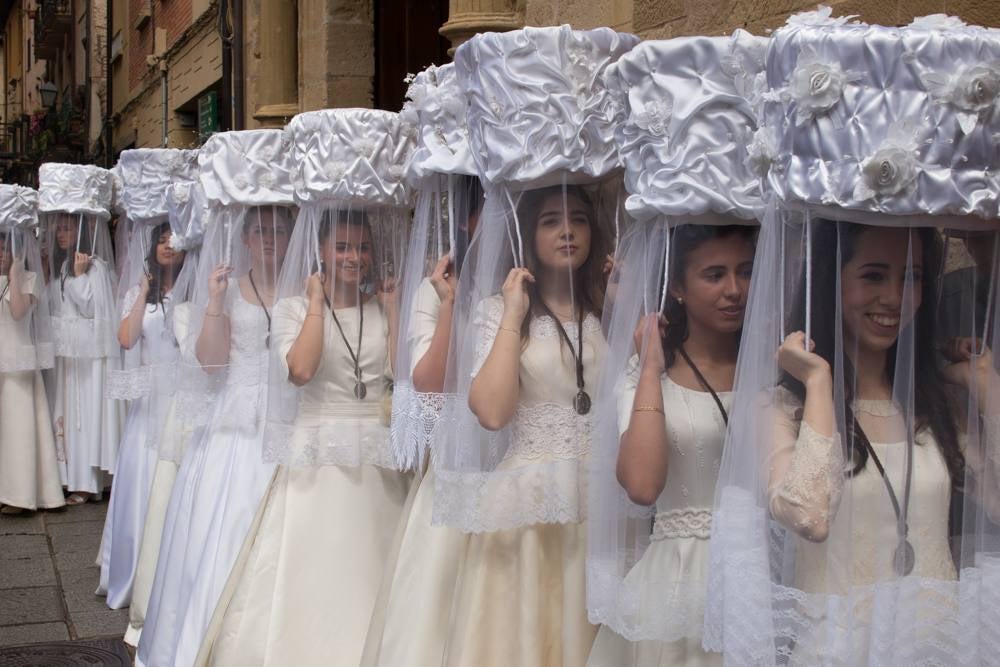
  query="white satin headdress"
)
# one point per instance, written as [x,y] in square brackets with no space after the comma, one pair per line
[687,120]
[435,106]
[538,109]
[250,167]
[147,174]
[870,120]
[74,188]
[18,206]
[351,156]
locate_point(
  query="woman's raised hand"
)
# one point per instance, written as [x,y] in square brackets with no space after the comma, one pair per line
[803,365]
[648,339]
[515,295]
[218,281]
[444,280]
[81,263]
[965,365]
[314,289]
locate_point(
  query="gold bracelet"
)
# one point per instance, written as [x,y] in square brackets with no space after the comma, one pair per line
[647,408]
[314,314]
[208,314]
[513,331]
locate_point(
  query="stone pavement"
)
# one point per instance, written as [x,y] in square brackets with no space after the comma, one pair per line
[48,578]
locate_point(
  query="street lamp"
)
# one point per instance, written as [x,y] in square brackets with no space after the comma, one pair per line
[48,91]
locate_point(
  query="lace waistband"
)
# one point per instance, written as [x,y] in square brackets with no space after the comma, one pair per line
[354,410]
[687,522]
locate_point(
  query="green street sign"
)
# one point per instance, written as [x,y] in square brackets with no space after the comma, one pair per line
[208,115]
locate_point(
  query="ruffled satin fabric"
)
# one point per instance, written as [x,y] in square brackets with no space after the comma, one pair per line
[436,107]
[187,211]
[894,82]
[74,188]
[147,175]
[18,206]
[686,123]
[537,106]
[249,167]
[351,156]
[117,187]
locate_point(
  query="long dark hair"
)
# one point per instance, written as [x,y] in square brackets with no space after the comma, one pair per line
[930,402]
[157,290]
[684,240]
[588,280]
[62,260]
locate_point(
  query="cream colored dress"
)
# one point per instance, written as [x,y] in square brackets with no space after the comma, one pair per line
[520,598]
[410,623]
[668,583]
[857,554]
[304,590]
[29,469]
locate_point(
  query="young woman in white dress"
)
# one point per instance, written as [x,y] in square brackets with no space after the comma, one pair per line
[304,592]
[855,522]
[222,477]
[143,324]
[519,597]
[672,418]
[29,470]
[88,425]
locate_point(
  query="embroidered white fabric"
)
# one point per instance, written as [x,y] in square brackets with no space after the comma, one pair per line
[247,167]
[685,522]
[18,206]
[147,175]
[415,415]
[541,479]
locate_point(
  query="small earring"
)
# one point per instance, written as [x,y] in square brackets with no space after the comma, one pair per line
[680,300]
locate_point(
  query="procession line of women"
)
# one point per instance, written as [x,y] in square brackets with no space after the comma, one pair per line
[683,356]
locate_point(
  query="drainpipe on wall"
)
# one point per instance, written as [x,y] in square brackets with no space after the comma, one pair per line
[166,114]
[109,98]
[239,116]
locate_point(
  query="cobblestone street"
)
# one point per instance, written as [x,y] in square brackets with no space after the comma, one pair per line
[48,578]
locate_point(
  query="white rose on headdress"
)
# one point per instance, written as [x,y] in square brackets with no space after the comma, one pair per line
[893,167]
[181,193]
[972,90]
[762,150]
[816,86]
[937,22]
[266,180]
[240,181]
[335,171]
[652,117]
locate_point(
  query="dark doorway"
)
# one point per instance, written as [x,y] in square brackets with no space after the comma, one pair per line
[406,41]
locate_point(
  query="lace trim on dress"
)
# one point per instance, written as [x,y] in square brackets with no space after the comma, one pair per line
[542,477]
[83,338]
[19,358]
[809,493]
[693,522]
[414,416]
[128,384]
[343,441]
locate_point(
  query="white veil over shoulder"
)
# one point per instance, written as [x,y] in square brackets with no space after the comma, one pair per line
[687,119]
[74,207]
[540,131]
[855,519]
[449,197]
[353,216]
[27,336]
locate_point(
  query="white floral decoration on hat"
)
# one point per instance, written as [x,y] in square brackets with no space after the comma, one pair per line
[973,91]
[938,22]
[762,150]
[893,167]
[817,85]
[652,117]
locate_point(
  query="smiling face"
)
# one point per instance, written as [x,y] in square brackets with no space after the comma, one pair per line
[873,284]
[348,249]
[716,282]
[562,233]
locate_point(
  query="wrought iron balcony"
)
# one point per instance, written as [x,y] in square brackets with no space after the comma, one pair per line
[53,22]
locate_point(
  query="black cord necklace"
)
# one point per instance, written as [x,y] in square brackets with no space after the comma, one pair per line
[360,390]
[581,402]
[705,384]
[904,557]
[267,341]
